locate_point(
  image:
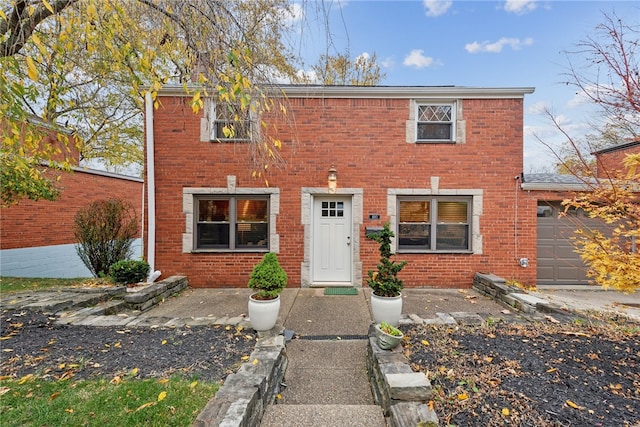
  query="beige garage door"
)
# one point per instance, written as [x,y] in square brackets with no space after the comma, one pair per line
[558,263]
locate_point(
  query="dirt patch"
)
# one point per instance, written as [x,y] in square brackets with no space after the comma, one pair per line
[542,374]
[33,344]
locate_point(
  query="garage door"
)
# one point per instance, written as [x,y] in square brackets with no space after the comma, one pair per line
[558,263]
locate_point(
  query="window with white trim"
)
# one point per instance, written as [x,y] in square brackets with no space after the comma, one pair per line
[230,123]
[434,224]
[232,223]
[435,122]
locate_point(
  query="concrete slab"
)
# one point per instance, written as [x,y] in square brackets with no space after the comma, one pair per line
[340,385]
[314,313]
[593,298]
[214,303]
[323,415]
[426,303]
[327,354]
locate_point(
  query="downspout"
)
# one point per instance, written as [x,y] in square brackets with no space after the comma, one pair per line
[151,183]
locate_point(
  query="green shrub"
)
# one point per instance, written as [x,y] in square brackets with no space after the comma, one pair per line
[129,271]
[268,278]
[384,281]
[105,230]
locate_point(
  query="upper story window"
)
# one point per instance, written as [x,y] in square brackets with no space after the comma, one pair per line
[434,224]
[230,123]
[235,223]
[435,123]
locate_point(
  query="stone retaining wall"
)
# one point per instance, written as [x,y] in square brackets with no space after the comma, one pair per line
[146,298]
[243,398]
[396,388]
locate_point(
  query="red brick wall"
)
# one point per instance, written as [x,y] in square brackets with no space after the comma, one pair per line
[610,163]
[43,223]
[365,140]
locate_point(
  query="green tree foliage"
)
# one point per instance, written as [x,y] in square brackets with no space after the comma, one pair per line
[86,65]
[384,281]
[341,70]
[105,230]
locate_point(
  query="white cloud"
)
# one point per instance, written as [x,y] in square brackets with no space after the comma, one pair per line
[293,14]
[416,58]
[388,62]
[496,47]
[520,7]
[436,7]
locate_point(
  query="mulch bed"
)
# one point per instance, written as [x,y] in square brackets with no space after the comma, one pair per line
[543,374]
[31,343]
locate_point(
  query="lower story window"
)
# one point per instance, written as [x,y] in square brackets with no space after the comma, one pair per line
[232,223]
[434,224]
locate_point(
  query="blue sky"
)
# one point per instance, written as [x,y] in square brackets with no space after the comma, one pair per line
[514,43]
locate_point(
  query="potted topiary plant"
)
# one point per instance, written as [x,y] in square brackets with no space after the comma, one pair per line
[268,279]
[388,336]
[386,297]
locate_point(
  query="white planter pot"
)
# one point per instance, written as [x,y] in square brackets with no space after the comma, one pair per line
[386,309]
[263,314]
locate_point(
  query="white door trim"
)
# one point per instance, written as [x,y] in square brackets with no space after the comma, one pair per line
[307,204]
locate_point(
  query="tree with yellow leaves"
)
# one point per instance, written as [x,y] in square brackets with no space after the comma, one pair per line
[611,80]
[85,65]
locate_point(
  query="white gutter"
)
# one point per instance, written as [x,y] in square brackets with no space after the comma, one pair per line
[151,184]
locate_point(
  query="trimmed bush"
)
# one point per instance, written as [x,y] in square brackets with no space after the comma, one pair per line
[129,271]
[268,278]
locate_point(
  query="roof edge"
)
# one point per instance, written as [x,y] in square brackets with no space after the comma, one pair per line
[408,92]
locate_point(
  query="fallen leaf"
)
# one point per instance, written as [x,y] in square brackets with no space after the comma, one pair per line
[551,319]
[134,372]
[69,410]
[193,384]
[117,345]
[54,395]
[244,358]
[146,405]
[116,380]
[506,412]
[163,380]
[505,312]
[573,405]
[162,396]
[255,361]
[424,342]
[3,390]
[164,342]
[26,378]
[550,370]
[463,396]
[488,359]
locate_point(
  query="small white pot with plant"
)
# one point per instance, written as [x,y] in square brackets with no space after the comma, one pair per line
[388,336]
[268,279]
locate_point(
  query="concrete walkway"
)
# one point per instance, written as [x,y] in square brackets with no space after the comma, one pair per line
[327,381]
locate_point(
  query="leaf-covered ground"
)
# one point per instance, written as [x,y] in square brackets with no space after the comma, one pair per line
[531,374]
[31,343]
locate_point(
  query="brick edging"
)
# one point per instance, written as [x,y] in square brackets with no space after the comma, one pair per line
[244,396]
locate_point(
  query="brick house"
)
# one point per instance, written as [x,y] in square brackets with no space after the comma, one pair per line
[442,165]
[36,237]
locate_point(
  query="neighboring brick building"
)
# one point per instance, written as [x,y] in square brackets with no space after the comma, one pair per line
[441,164]
[36,237]
[610,159]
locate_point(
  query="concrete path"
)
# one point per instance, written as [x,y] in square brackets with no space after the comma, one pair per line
[327,381]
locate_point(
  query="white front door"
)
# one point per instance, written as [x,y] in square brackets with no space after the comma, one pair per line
[331,262]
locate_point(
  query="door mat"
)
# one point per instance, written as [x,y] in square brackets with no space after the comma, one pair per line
[340,291]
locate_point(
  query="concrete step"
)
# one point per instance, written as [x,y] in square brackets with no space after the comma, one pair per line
[323,415]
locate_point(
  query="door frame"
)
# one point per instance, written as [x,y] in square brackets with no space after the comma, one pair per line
[308,194]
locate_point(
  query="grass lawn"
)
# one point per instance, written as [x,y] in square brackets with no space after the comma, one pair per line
[15,284]
[127,401]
